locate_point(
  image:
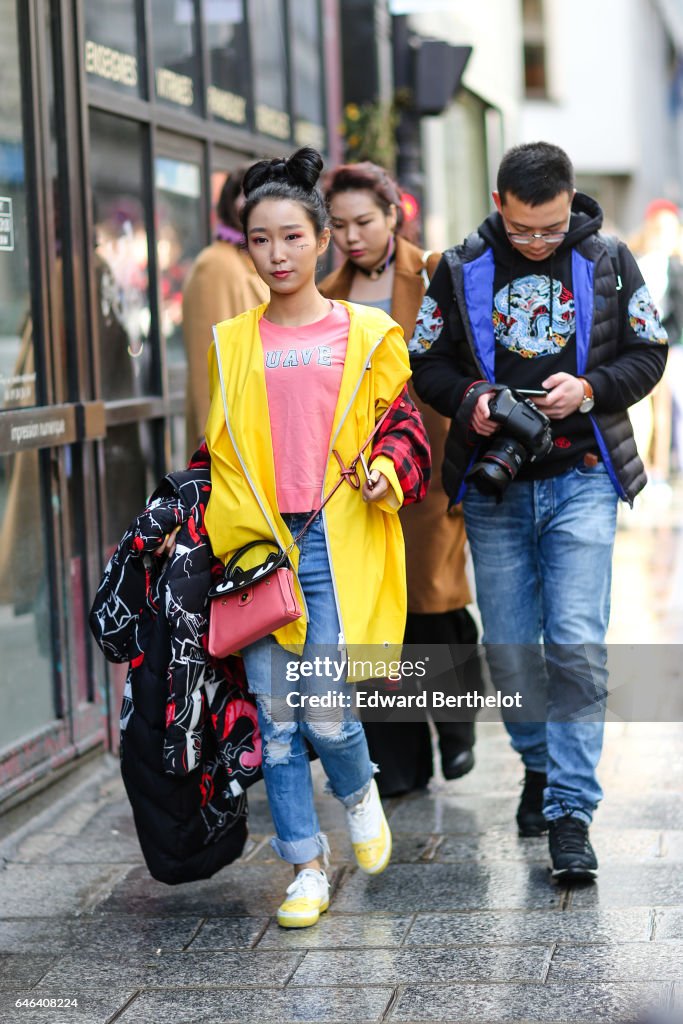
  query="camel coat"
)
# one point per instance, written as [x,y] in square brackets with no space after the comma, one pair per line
[435,541]
[222,284]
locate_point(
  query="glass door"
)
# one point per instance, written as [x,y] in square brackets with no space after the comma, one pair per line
[48,694]
[182,231]
[25,620]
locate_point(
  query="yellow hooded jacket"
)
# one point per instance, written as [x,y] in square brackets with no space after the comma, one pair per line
[365,542]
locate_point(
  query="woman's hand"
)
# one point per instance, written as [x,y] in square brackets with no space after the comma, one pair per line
[167,546]
[376,488]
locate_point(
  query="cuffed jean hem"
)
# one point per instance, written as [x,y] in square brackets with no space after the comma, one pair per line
[554,811]
[300,851]
[353,798]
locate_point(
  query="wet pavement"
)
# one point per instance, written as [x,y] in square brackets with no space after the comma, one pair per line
[464,926]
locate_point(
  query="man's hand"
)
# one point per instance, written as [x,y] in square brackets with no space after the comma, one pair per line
[380,487]
[481,421]
[565,395]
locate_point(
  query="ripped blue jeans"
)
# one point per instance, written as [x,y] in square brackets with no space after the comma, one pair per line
[334,733]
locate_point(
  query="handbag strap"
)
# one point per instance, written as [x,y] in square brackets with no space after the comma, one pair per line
[345,473]
[232,564]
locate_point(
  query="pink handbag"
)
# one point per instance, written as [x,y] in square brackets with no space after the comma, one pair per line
[249,604]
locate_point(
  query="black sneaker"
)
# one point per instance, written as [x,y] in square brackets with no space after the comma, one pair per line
[572,855]
[530,820]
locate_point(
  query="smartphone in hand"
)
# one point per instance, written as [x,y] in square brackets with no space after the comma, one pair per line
[366,472]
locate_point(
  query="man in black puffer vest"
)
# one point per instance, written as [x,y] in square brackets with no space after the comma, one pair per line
[538,300]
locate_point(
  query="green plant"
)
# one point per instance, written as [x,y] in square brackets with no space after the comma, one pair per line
[369,132]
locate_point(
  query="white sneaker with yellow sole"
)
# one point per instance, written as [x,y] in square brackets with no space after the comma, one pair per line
[307,898]
[370,833]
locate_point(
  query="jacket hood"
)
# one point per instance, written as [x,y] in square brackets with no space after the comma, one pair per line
[586,219]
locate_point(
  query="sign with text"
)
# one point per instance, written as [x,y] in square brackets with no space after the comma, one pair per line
[37,428]
[110,64]
[6,225]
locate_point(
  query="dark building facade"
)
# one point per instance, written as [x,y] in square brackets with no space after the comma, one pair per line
[118,122]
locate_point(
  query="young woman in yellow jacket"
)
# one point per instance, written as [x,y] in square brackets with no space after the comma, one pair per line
[292,381]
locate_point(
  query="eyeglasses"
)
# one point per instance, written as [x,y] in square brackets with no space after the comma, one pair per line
[525,237]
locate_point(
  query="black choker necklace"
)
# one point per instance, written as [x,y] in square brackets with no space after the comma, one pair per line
[377,272]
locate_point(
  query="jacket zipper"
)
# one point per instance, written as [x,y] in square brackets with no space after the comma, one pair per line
[246,473]
[606,455]
[342,635]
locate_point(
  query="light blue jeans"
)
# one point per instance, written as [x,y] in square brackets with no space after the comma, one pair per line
[543,568]
[336,735]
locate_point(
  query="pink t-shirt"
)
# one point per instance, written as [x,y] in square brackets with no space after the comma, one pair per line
[304,367]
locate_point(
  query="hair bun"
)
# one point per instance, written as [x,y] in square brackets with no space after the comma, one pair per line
[304,168]
[301,169]
[262,172]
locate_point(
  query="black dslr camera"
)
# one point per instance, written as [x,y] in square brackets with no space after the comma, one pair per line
[525,437]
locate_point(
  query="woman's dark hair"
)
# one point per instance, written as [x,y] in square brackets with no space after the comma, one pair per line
[294,178]
[225,207]
[368,177]
[535,173]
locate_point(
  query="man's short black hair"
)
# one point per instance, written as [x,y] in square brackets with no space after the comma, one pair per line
[535,173]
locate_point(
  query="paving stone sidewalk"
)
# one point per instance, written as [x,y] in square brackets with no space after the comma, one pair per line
[464,926]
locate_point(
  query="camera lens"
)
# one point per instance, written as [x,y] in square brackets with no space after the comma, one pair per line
[526,434]
[498,466]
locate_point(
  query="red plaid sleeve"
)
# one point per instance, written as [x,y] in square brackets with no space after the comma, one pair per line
[201,458]
[403,438]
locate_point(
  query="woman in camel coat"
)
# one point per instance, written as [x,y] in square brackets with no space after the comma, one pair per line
[385,270]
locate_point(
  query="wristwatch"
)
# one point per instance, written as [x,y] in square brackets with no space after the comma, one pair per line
[588,401]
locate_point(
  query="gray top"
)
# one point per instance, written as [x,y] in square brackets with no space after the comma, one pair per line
[384,304]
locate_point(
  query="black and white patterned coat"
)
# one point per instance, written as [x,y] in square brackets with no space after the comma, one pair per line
[190,743]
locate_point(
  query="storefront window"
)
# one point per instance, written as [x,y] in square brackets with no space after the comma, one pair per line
[129,460]
[116,148]
[307,81]
[226,34]
[111,45]
[25,631]
[179,239]
[269,68]
[17,358]
[176,54]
